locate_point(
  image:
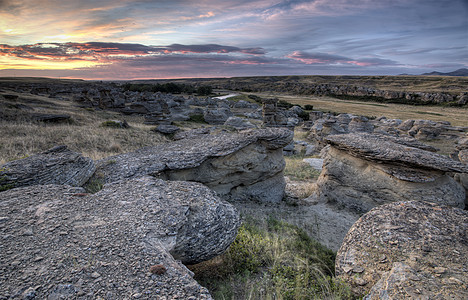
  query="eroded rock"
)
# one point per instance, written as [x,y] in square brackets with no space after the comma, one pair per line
[65,243]
[362,171]
[246,164]
[407,250]
[58,165]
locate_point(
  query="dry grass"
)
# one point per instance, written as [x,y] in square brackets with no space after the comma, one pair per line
[20,138]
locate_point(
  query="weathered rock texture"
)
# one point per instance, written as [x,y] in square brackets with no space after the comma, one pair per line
[407,250]
[58,165]
[245,165]
[58,242]
[362,171]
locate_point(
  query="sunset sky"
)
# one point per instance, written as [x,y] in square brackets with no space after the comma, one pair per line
[142,39]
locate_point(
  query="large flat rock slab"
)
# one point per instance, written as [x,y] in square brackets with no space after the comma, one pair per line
[248,164]
[397,151]
[407,250]
[58,165]
[125,241]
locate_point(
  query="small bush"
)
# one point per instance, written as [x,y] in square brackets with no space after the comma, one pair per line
[95,183]
[204,90]
[308,107]
[197,118]
[304,116]
[284,104]
[3,185]
[255,98]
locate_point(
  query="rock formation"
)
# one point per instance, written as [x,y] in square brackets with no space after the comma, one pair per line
[122,242]
[245,165]
[407,250]
[363,170]
[58,165]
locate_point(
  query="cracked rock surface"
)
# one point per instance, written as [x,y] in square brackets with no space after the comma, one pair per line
[407,250]
[122,242]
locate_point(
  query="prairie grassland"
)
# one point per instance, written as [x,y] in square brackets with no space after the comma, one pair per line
[20,137]
[457,116]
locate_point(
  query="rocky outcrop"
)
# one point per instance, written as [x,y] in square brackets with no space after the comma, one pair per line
[58,165]
[362,171]
[217,116]
[407,250]
[238,123]
[248,164]
[122,242]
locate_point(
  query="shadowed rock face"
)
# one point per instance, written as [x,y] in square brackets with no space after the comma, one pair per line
[407,250]
[58,165]
[64,243]
[362,171]
[248,164]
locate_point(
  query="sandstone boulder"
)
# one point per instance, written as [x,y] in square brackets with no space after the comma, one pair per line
[238,123]
[362,171]
[122,242]
[58,165]
[248,164]
[217,116]
[407,250]
[166,129]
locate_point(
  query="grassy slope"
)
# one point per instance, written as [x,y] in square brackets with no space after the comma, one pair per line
[20,137]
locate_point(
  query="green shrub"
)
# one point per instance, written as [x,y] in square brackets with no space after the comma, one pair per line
[3,179]
[204,90]
[272,260]
[197,118]
[308,107]
[285,104]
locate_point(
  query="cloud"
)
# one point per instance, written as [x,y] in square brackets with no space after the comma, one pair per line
[104,50]
[331,59]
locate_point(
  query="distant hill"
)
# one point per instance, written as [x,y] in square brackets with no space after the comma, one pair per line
[459,72]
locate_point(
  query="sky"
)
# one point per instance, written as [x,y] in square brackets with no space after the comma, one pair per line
[158,39]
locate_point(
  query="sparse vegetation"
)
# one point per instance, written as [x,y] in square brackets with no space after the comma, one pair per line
[3,185]
[296,169]
[271,259]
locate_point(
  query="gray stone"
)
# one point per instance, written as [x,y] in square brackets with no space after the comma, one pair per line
[231,164]
[51,118]
[238,123]
[362,171]
[166,129]
[316,163]
[58,165]
[114,238]
[407,250]
[217,116]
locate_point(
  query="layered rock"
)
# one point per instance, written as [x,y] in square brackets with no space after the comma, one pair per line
[58,165]
[407,250]
[121,242]
[248,164]
[363,170]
